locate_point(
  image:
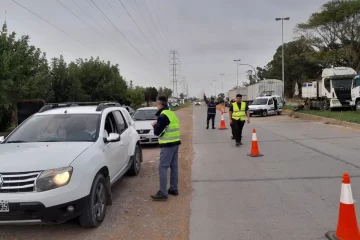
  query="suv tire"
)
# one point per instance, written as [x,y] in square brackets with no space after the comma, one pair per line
[136,160]
[95,210]
[264,113]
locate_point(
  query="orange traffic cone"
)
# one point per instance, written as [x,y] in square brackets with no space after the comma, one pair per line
[347,228]
[254,146]
[222,122]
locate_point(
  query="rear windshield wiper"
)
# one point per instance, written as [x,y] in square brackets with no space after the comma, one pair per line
[17,141]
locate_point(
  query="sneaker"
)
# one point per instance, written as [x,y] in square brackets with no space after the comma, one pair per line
[173,192]
[213,127]
[159,197]
[207,127]
[238,144]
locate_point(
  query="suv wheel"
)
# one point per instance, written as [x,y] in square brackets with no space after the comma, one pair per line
[95,210]
[264,113]
[136,160]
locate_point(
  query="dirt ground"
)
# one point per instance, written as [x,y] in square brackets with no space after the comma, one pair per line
[133,215]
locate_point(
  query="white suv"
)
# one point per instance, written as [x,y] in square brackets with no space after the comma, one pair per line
[60,163]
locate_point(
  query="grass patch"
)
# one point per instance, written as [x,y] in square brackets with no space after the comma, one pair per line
[288,107]
[347,116]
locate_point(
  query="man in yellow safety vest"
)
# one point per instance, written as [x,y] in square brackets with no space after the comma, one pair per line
[167,127]
[238,112]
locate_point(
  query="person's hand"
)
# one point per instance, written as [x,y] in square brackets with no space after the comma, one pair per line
[230,121]
[153,124]
[248,121]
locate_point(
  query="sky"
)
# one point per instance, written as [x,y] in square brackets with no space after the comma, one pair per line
[138,35]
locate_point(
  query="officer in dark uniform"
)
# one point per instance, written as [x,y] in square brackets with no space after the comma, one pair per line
[211,111]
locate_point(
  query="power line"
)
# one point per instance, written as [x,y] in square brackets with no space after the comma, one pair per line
[117,29]
[55,26]
[158,19]
[148,26]
[152,19]
[137,26]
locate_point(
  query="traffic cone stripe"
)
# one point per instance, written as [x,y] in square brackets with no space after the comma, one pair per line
[346,194]
[222,122]
[254,138]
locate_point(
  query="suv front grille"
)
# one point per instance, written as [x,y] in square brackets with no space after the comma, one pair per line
[18,182]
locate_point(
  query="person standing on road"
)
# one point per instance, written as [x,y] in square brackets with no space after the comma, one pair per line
[168,129]
[238,112]
[211,111]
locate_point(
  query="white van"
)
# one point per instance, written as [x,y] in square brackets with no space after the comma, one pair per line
[266,105]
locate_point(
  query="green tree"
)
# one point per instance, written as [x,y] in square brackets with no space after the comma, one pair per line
[181,96]
[23,73]
[298,67]
[101,80]
[167,92]
[335,33]
[135,96]
[150,94]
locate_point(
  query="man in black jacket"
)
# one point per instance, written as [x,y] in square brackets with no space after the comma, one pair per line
[211,111]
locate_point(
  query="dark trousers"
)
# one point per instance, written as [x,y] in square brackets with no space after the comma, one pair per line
[212,117]
[237,128]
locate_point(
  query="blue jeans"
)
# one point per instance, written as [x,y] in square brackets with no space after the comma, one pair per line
[168,159]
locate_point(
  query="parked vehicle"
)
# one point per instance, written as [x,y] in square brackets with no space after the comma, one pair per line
[266,105]
[143,118]
[129,109]
[355,93]
[197,103]
[60,163]
[333,90]
[267,87]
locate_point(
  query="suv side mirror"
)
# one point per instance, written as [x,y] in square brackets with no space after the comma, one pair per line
[113,137]
[2,138]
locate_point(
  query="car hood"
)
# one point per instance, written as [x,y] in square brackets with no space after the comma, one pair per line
[144,124]
[25,157]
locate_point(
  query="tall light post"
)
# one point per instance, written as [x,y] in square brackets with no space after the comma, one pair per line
[237,72]
[282,44]
[222,82]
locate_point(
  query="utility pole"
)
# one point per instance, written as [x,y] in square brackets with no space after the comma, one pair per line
[237,72]
[282,46]
[174,70]
[222,82]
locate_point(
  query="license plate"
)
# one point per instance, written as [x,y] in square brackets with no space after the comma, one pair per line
[4,206]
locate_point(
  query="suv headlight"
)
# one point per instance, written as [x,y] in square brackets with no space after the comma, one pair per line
[54,178]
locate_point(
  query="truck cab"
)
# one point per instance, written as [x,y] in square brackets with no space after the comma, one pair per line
[266,105]
[355,93]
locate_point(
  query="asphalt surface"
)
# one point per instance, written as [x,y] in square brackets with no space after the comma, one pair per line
[292,192]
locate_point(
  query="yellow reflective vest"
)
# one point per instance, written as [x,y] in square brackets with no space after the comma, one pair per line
[172,131]
[239,113]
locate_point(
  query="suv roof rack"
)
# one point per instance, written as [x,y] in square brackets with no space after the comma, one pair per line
[102,106]
[50,106]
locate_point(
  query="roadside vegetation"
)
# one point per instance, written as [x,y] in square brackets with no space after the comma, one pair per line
[26,74]
[347,116]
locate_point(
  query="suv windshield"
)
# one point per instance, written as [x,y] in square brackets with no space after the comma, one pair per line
[58,128]
[260,101]
[143,115]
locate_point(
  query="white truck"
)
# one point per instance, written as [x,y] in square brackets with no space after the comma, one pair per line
[333,90]
[241,90]
[355,93]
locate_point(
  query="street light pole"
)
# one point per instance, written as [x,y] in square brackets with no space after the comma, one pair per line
[222,82]
[237,72]
[282,44]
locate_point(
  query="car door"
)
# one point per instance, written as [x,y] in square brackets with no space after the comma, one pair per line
[114,152]
[271,106]
[125,134]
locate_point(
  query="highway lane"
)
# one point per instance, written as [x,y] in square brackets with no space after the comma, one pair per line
[292,192]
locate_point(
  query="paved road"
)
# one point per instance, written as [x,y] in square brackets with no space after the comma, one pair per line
[292,192]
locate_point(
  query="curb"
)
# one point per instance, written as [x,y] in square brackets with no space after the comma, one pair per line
[327,120]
